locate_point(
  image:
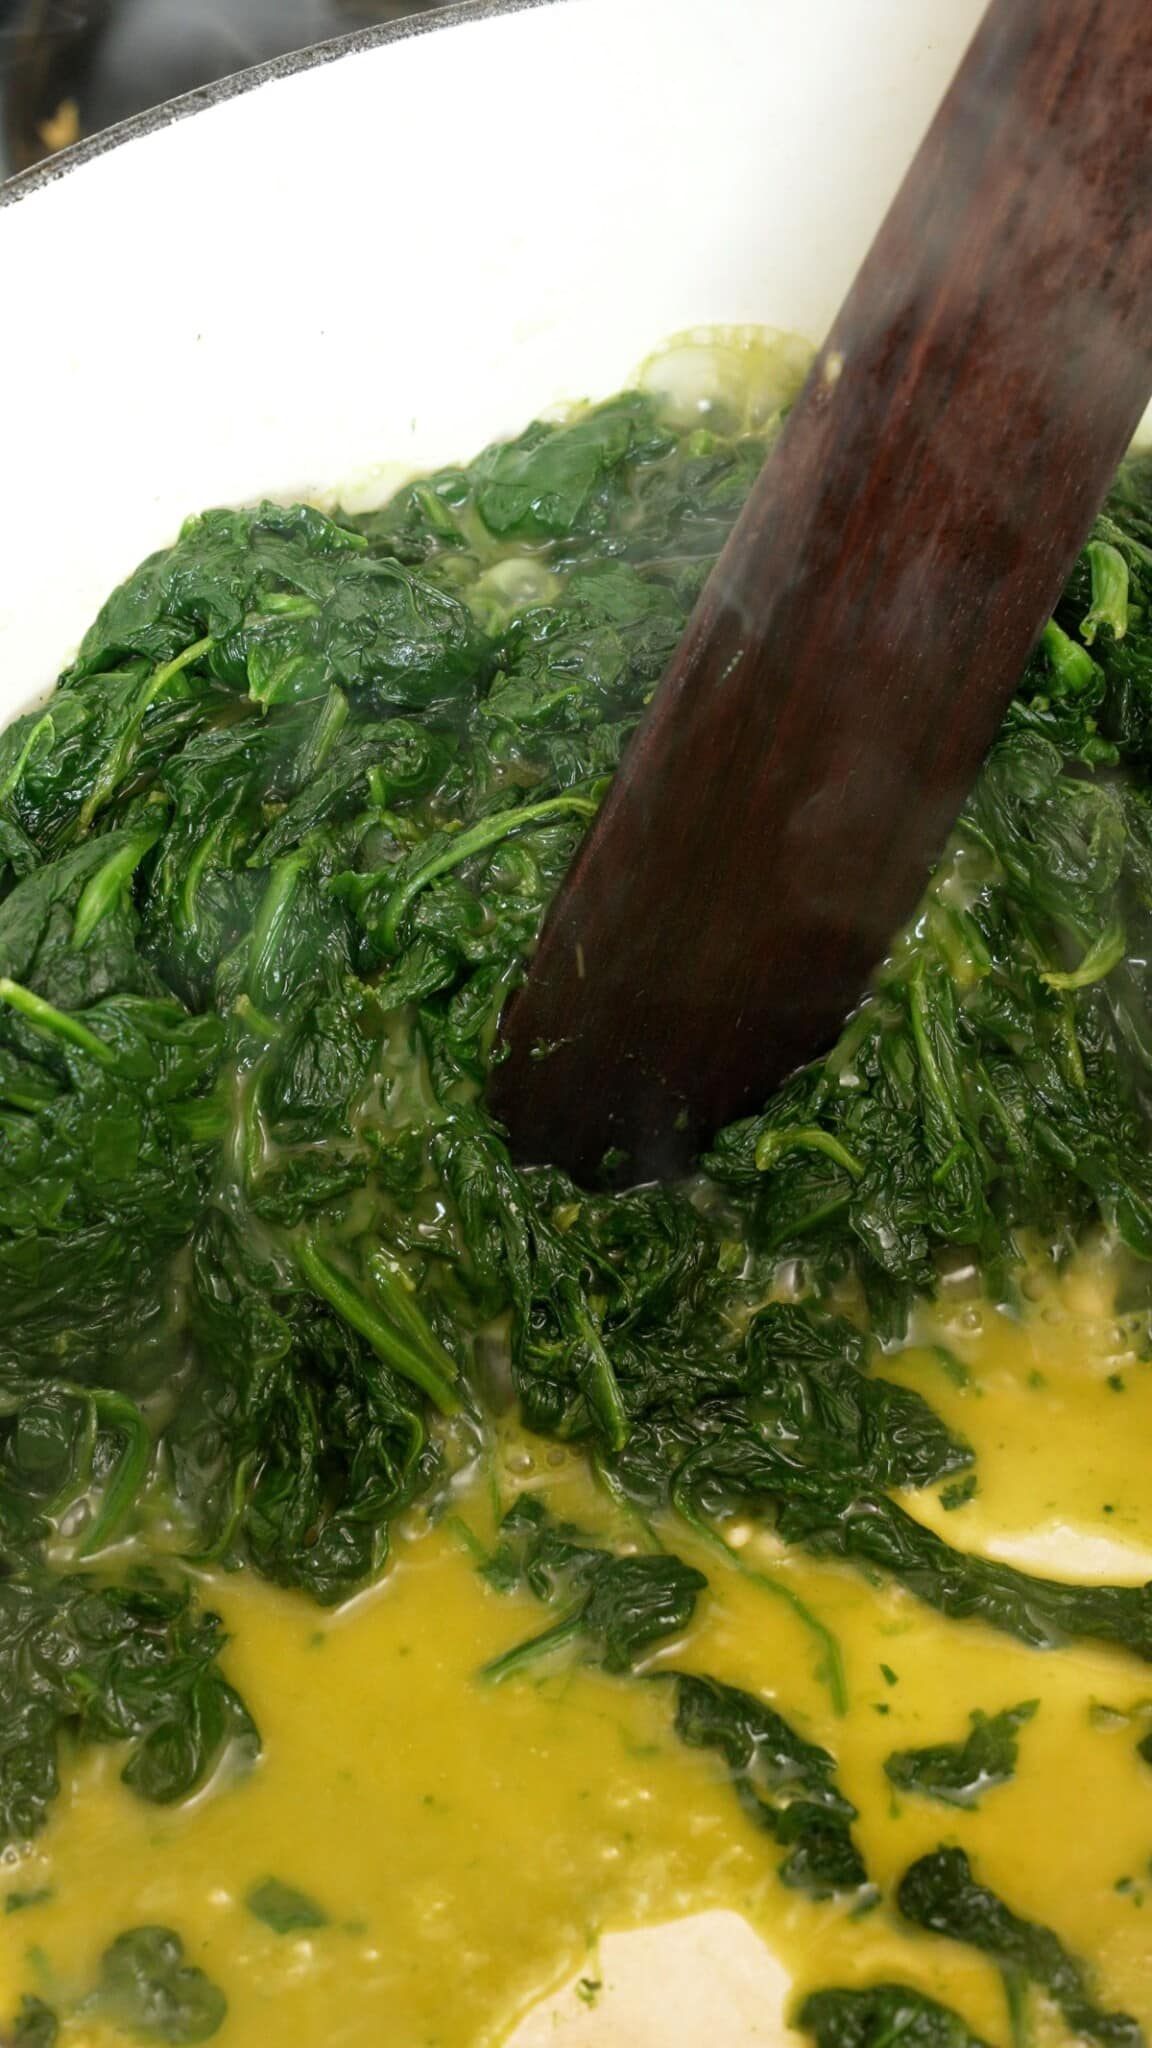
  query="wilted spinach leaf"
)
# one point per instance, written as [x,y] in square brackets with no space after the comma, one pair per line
[882,2016]
[128,1664]
[284,1909]
[620,1609]
[959,1773]
[941,1894]
[271,859]
[149,1991]
[786,1785]
[35,2025]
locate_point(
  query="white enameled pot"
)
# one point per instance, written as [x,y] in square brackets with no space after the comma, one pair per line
[389,249]
[384,252]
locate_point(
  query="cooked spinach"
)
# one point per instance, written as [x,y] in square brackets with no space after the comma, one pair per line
[146,1991]
[959,1773]
[627,1606]
[873,1530]
[131,1664]
[620,1609]
[879,2015]
[35,2025]
[284,1909]
[940,1893]
[19,1902]
[552,1559]
[786,1785]
[272,857]
[632,1606]
[277,849]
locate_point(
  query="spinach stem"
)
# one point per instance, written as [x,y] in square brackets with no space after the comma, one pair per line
[53,1023]
[524,1654]
[1105,953]
[1072,665]
[1016,1999]
[102,889]
[926,1052]
[117,1412]
[193,873]
[804,1138]
[343,1296]
[603,1388]
[272,919]
[113,769]
[392,1283]
[323,736]
[1109,605]
[830,1671]
[467,1539]
[474,839]
[45,729]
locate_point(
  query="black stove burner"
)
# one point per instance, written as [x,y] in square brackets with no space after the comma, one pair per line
[72,67]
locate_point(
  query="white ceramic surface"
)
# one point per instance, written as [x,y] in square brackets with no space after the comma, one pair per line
[396,254]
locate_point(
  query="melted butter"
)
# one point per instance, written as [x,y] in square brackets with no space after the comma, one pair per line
[478,1850]
[1052,1400]
[742,376]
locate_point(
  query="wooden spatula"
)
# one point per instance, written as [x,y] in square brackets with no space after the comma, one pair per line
[854,651]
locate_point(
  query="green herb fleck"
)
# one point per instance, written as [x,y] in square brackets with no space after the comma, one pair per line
[284,1909]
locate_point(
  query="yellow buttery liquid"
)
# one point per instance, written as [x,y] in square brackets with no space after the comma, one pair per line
[471,1845]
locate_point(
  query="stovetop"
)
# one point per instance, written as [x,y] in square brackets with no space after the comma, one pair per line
[71,67]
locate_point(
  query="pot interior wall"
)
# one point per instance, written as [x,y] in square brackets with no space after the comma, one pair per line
[392,256]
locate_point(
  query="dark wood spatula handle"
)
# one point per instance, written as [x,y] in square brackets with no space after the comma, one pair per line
[856,646]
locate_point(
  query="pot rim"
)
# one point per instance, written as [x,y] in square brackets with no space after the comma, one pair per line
[151,120]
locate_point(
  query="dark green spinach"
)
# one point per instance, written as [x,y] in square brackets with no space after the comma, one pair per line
[625,1607]
[619,1609]
[271,859]
[882,2016]
[786,1785]
[148,1991]
[276,851]
[35,2025]
[283,1908]
[941,1894]
[123,1664]
[959,1773]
